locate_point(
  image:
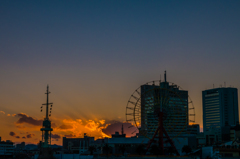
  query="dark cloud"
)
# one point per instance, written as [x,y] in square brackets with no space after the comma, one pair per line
[12,133]
[70,135]
[64,126]
[112,121]
[24,137]
[53,125]
[55,136]
[29,120]
[17,137]
[30,135]
[114,126]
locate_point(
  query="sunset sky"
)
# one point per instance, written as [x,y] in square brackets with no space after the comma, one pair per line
[94,54]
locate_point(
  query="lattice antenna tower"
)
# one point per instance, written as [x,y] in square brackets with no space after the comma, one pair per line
[46,129]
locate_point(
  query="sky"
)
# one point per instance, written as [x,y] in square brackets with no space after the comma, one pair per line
[94,54]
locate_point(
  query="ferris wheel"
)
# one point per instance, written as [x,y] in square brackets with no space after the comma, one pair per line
[160,109]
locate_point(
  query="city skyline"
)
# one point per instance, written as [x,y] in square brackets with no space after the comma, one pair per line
[94,55]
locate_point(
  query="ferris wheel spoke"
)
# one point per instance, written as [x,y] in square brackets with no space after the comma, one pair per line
[131,126]
[130,108]
[129,120]
[138,92]
[134,97]
[134,103]
[130,114]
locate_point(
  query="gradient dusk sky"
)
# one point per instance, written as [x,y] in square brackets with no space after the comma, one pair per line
[94,54]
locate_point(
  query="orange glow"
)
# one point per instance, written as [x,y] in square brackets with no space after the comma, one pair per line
[192,123]
[27,128]
[79,127]
[2,112]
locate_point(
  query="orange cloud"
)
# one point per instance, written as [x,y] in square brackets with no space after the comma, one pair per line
[77,127]
[98,128]
[2,112]
[102,121]
[64,126]
[92,125]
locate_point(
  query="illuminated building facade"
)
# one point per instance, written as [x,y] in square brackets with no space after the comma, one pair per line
[220,108]
[170,100]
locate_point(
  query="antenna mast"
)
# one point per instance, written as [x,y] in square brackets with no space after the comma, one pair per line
[46,129]
[165,76]
[122,130]
[47,102]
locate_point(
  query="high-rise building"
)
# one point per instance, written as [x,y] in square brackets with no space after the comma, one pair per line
[220,108]
[193,129]
[169,99]
[6,149]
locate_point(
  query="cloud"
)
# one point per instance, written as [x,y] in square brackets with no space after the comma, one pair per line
[12,133]
[102,121]
[17,137]
[97,128]
[64,126]
[70,136]
[92,125]
[24,118]
[9,115]
[23,137]
[30,135]
[77,127]
[14,115]
[53,125]
[55,136]
[2,112]
[128,128]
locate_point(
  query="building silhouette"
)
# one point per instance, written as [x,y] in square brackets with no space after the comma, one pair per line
[6,149]
[193,129]
[220,110]
[74,145]
[168,98]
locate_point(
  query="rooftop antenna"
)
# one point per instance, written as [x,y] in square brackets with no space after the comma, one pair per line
[122,129]
[165,76]
[160,79]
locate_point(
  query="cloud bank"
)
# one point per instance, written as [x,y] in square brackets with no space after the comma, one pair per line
[24,118]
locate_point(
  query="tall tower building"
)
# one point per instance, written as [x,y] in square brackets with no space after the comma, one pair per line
[168,99]
[220,108]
